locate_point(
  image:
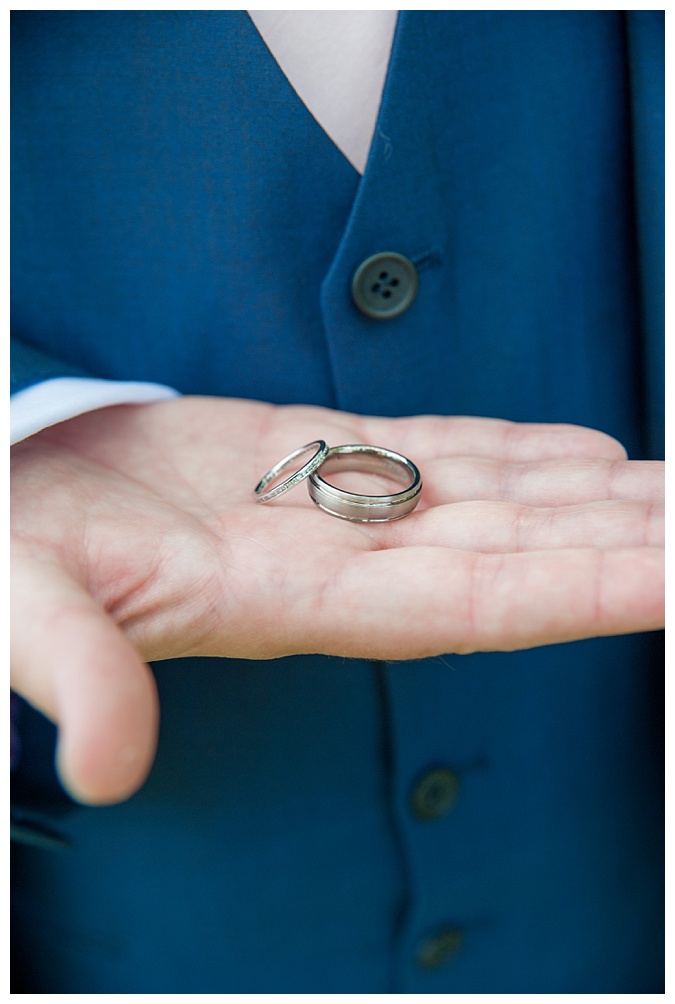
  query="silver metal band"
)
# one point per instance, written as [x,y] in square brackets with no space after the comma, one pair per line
[319,452]
[366,508]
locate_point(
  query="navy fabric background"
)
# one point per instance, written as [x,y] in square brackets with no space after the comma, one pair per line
[180,217]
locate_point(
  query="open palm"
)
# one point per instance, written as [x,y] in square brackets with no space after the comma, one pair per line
[136,537]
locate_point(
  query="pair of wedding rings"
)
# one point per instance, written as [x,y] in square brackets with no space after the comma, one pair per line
[338,501]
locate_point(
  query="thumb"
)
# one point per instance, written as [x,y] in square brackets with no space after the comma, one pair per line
[71,661]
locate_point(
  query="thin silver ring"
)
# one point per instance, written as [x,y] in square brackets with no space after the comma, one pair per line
[319,455]
[366,508]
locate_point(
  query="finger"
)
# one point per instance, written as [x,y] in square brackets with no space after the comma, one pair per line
[72,663]
[419,602]
[509,527]
[429,437]
[545,483]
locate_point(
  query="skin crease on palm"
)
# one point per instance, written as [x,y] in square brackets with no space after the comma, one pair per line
[136,537]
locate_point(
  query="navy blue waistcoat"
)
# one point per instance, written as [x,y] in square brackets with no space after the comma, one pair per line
[180,217]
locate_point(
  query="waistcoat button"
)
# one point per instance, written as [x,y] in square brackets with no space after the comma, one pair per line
[435,793]
[385,285]
[435,951]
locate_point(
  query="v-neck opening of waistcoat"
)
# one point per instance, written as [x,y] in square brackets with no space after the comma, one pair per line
[396,208]
[336,62]
[293,97]
[379,139]
[346,170]
[396,102]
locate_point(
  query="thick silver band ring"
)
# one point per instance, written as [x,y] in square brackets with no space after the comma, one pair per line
[319,452]
[366,508]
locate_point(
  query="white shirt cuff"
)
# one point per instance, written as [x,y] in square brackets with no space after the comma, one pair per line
[57,400]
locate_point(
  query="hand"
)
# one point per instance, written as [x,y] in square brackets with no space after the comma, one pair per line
[135,536]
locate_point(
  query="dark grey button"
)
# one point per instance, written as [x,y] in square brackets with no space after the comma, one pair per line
[385,285]
[435,951]
[435,793]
